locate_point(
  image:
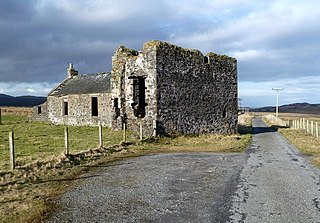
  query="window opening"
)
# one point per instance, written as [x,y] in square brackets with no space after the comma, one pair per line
[116,107]
[224,113]
[65,108]
[139,97]
[39,110]
[94,106]
[206,59]
[115,103]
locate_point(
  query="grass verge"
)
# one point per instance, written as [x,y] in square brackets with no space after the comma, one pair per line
[305,142]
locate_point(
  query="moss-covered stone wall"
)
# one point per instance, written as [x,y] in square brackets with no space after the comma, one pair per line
[196,93]
[186,92]
[127,65]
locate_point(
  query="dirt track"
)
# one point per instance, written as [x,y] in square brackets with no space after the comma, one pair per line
[268,183]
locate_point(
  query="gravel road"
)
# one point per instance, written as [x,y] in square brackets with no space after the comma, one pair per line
[185,187]
[270,182]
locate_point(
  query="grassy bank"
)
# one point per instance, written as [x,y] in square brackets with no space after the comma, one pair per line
[44,172]
[305,142]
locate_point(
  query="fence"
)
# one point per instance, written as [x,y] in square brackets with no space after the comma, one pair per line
[309,126]
[66,139]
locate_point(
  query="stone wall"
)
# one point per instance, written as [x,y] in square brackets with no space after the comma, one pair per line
[129,65]
[40,113]
[79,110]
[186,92]
[196,93]
[163,87]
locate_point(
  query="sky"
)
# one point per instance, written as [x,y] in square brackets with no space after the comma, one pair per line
[276,43]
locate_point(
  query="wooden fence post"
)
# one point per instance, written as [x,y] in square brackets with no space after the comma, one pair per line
[100,136]
[66,140]
[311,127]
[141,131]
[154,126]
[11,145]
[124,132]
[317,130]
[307,125]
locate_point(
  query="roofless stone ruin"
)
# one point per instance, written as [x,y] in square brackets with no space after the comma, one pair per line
[166,88]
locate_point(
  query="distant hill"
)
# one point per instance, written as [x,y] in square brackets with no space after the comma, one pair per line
[302,108]
[21,101]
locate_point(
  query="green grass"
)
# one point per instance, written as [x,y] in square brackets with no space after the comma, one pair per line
[36,140]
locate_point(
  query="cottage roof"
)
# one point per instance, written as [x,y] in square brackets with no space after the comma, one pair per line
[83,84]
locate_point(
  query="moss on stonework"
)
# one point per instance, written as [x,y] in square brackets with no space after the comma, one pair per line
[219,56]
[122,50]
[158,43]
[195,52]
[152,43]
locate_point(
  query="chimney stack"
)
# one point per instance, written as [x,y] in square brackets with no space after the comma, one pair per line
[71,72]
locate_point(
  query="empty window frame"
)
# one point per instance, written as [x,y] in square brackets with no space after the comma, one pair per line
[139,97]
[116,108]
[115,102]
[39,110]
[94,106]
[224,113]
[65,108]
[206,59]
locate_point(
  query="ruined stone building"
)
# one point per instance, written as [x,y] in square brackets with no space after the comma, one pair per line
[166,88]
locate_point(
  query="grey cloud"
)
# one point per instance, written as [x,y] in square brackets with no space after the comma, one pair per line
[39,38]
[39,49]
[16,10]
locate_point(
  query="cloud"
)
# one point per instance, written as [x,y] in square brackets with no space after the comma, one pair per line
[18,89]
[298,89]
[279,36]
[272,40]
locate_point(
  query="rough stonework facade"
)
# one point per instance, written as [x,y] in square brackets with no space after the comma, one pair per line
[165,88]
[40,113]
[80,100]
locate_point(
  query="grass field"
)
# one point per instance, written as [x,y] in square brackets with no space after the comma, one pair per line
[44,173]
[23,111]
[38,141]
[292,116]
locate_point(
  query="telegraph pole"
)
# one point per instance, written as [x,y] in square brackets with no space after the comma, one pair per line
[277,101]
